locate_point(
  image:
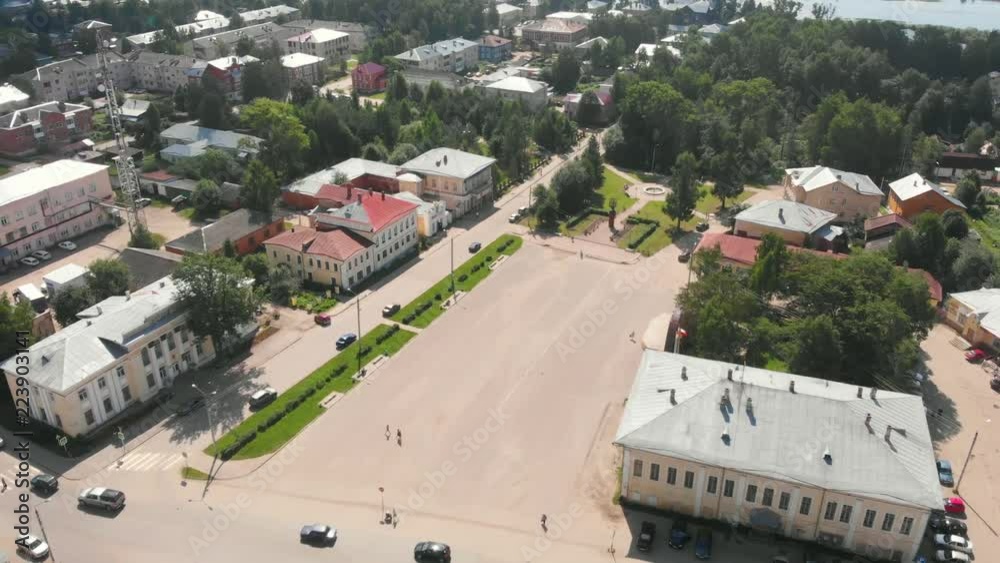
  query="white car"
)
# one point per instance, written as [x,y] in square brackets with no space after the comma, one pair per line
[99,497]
[42,255]
[956,543]
[948,556]
[32,547]
[514,217]
[29,261]
[67,245]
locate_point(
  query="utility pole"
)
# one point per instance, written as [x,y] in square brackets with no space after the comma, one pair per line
[45,536]
[357,301]
[966,464]
[454,289]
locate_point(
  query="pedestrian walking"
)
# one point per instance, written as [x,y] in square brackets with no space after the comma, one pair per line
[388,433]
[544,520]
[399,437]
[4,483]
[581,255]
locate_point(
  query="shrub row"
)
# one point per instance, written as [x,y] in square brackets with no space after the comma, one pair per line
[240,443]
[635,220]
[598,211]
[576,220]
[387,334]
[418,311]
[649,231]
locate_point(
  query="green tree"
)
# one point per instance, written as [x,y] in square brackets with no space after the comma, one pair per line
[589,113]
[970,192]
[974,266]
[229,249]
[257,267]
[573,188]
[215,292]
[955,224]
[260,187]
[283,284]
[817,348]
[728,176]
[374,151]
[931,239]
[772,259]
[879,124]
[150,134]
[545,208]
[927,151]
[285,140]
[70,301]
[683,196]
[565,71]
[143,238]
[14,318]
[904,248]
[657,123]
[554,132]
[206,198]
[264,79]
[404,152]
[594,162]
[106,277]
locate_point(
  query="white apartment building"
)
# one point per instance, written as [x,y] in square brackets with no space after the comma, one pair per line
[450,55]
[532,93]
[303,67]
[76,78]
[462,180]
[121,353]
[328,44]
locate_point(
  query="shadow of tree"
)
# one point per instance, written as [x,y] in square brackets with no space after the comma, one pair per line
[942,415]
[230,389]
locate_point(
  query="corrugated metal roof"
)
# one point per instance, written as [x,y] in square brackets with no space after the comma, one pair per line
[815,177]
[787,215]
[913,185]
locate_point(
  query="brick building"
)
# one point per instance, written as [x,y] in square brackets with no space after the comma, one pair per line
[369,78]
[47,125]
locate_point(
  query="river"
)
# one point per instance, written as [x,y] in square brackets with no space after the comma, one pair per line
[979,14]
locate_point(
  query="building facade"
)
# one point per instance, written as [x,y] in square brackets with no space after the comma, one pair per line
[914,194]
[462,180]
[433,217]
[224,43]
[495,49]
[357,33]
[334,46]
[976,316]
[246,230]
[76,78]
[300,67]
[369,77]
[450,55]
[49,204]
[228,71]
[846,194]
[558,33]
[42,127]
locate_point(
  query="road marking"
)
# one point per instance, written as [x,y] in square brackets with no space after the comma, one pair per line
[148,464]
[172,462]
[147,461]
[129,461]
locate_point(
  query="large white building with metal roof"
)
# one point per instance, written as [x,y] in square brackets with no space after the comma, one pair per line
[532,93]
[815,460]
[450,55]
[464,181]
[846,194]
[795,223]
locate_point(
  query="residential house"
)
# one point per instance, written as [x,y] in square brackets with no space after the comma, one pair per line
[495,49]
[186,140]
[145,266]
[246,229]
[228,71]
[531,93]
[710,32]
[159,72]
[11,98]
[270,14]
[356,173]
[334,46]
[557,33]
[697,11]
[846,194]
[912,195]
[338,258]
[953,165]
[302,67]
[212,23]
[879,231]
[711,440]
[576,17]
[121,354]
[462,180]
[433,217]
[976,316]
[602,97]
[796,223]
[262,35]
[357,34]
[510,15]
[583,49]
[369,77]
[450,55]
[43,127]
[134,109]
[45,205]
[76,78]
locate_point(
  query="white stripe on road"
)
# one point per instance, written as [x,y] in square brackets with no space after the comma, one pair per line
[172,462]
[130,461]
[148,464]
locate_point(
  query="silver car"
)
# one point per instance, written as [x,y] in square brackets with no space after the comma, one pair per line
[32,547]
[100,497]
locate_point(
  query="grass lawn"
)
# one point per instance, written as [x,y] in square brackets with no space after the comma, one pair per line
[312,301]
[614,188]
[352,63]
[325,379]
[160,203]
[578,229]
[664,234]
[988,228]
[193,474]
[709,203]
[378,96]
[441,288]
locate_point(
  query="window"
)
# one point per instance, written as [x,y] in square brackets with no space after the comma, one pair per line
[689,479]
[150,380]
[768,497]
[32,210]
[197,348]
[163,373]
[713,485]
[80,192]
[157,350]
[869,520]
[88,415]
[654,472]
[671,475]
[831,511]
[82,394]
[907,526]
[101,383]
[3,220]
[170,342]
[126,394]
[845,513]
[184,335]
[784,500]
[806,506]
[58,421]
[751,493]
[145,356]
[637,468]
[727,488]
[120,370]
[108,407]
[888,521]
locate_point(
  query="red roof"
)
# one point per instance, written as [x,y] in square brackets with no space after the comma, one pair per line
[158,175]
[339,194]
[370,68]
[933,286]
[743,250]
[378,211]
[296,240]
[886,220]
[339,244]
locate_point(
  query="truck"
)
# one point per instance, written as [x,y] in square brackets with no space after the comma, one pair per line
[647,532]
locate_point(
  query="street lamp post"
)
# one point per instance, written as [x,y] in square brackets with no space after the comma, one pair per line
[208,411]
[381,494]
[357,301]
[454,289]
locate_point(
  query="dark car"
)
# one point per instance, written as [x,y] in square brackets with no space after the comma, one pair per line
[45,483]
[703,544]
[943,524]
[432,551]
[318,534]
[679,535]
[702,227]
[945,475]
[684,256]
[390,310]
[474,247]
[191,406]
[647,533]
[346,340]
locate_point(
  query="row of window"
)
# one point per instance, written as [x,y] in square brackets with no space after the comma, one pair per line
[784,499]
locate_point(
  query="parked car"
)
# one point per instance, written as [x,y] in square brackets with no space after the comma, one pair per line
[703,544]
[42,255]
[953,542]
[474,247]
[67,245]
[949,556]
[322,319]
[346,340]
[29,261]
[647,533]
[390,310]
[100,497]
[679,535]
[944,524]
[2,443]
[702,227]
[45,483]
[263,397]
[976,355]
[954,505]
[33,548]
[432,551]
[143,201]
[945,475]
[318,534]
[513,218]
[191,406]
[684,256]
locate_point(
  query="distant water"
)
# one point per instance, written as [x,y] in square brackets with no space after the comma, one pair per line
[979,14]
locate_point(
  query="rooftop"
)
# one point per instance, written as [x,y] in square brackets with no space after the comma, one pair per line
[555,26]
[65,274]
[518,84]
[449,162]
[493,41]
[743,250]
[570,16]
[787,215]
[134,107]
[913,185]
[36,180]
[815,177]
[9,94]
[24,116]
[190,133]
[349,27]
[339,244]
[251,31]
[886,220]
[319,35]
[678,408]
[225,63]
[507,8]
[233,227]
[298,60]
[985,304]
[146,266]
[268,13]
[441,48]
[369,212]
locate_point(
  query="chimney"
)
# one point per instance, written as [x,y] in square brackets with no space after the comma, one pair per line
[749,405]
[888,433]
[359,198]
[99,311]
[868,420]
[383,196]
[350,192]
[128,295]
[163,283]
[673,400]
[791,386]
[872,395]
[729,375]
[725,395]
[860,392]
[781,216]
[445,159]
[684,373]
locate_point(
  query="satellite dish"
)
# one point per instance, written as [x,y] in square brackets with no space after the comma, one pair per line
[101,88]
[106,43]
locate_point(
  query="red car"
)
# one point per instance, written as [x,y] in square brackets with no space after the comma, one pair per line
[322,319]
[976,355]
[954,505]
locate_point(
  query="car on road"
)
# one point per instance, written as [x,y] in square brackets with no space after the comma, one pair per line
[949,556]
[318,534]
[322,319]
[976,355]
[191,406]
[42,255]
[100,497]
[647,533]
[263,397]
[941,523]
[954,543]
[390,310]
[954,505]
[33,548]
[143,201]
[45,483]
[67,245]
[945,476]
[432,551]
[29,261]
[703,544]
[346,340]
[474,247]
[513,218]
[684,256]
[679,535]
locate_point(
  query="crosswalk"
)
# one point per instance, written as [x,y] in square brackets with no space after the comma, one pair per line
[148,461]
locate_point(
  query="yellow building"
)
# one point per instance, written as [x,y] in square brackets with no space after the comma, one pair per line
[844,466]
[121,353]
[976,316]
[846,194]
